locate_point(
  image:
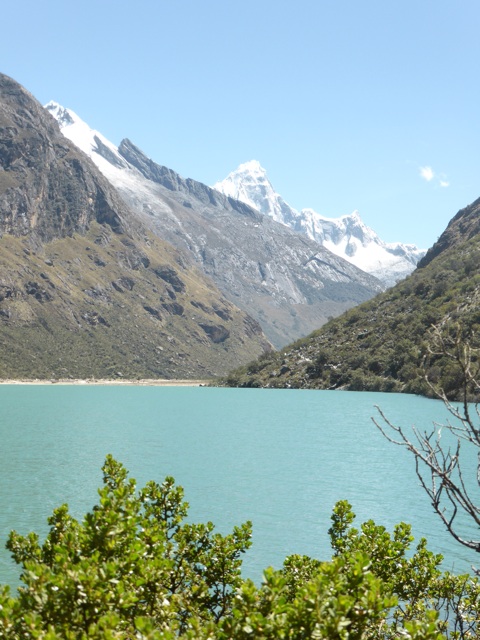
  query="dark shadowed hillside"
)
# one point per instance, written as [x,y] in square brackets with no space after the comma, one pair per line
[85,289]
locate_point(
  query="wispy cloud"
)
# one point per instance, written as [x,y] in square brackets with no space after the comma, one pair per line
[427,173]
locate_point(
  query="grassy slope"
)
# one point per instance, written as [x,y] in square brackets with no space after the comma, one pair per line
[93,306]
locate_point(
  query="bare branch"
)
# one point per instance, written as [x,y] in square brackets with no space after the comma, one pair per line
[439,464]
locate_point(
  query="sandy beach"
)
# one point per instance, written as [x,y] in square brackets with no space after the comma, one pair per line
[91,381]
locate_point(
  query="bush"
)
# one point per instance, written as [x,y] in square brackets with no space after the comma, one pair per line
[132,558]
[133,568]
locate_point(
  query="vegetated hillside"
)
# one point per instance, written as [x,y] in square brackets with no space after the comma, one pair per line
[381,345]
[85,290]
[286,281]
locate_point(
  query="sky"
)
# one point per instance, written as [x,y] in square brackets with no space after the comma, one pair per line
[370,106]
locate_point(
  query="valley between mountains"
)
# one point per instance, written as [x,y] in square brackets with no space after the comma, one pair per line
[113,266]
[285,280]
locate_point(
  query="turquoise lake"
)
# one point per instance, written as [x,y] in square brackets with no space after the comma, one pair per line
[279,458]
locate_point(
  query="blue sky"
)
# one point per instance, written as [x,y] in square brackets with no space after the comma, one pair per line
[368,105]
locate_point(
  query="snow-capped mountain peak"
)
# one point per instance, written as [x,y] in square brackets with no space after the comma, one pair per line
[253,167]
[288,283]
[347,236]
[62,115]
[249,183]
[85,138]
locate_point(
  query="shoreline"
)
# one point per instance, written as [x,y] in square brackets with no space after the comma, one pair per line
[153,382]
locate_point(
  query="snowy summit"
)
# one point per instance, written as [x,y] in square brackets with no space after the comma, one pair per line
[249,184]
[346,236]
[78,131]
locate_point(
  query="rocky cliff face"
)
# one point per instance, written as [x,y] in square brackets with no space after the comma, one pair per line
[86,290]
[287,282]
[47,188]
[175,183]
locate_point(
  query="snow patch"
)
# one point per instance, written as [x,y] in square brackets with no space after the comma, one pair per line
[78,131]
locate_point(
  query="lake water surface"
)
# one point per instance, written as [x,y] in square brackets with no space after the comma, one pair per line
[279,458]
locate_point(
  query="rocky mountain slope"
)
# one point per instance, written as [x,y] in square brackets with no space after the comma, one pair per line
[286,281]
[346,236]
[86,290]
[386,343]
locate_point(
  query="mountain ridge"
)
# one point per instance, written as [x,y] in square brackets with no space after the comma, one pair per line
[86,290]
[287,282]
[346,236]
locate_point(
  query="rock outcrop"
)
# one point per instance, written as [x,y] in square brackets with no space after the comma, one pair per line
[47,187]
[86,289]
